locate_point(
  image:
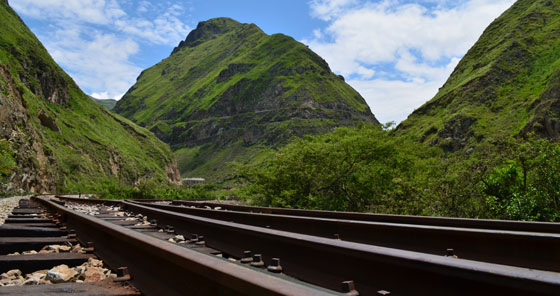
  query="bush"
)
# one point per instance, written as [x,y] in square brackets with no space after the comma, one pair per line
[7,161]
[368,169]
[351,169]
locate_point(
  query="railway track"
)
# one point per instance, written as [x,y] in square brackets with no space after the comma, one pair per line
[537,250]
[40,256]
[204,248]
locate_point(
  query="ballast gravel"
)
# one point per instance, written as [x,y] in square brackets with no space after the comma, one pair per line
[7,205]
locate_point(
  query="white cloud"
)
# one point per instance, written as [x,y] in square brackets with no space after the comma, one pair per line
[329,9]
[164,27]
[95,40]
[89,11]
[100,64]
[387,95]
[407,48]
[394,100]
[106,96]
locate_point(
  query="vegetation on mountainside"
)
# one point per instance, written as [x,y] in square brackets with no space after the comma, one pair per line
[7,161]
[189,80]
[109,104]
[368,169]
[230,91]
[484,147]
[110,188]
[59,130]
[212,162]
[503,85]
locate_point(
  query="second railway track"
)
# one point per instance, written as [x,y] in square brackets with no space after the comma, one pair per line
[311,254]
[537,250]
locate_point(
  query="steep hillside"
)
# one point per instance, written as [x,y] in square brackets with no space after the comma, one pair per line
[230,91]
[508,84]
[54,137]
[109,104]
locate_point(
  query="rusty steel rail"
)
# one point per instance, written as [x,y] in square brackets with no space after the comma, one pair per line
[161,268]
[328,262]
[523,249]
[545,227]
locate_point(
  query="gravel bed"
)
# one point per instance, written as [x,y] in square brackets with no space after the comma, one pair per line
[8,204]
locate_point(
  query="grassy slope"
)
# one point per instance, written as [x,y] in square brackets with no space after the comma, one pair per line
[170,94]
[186,81]
[109,104]
[90,137]
[500,78]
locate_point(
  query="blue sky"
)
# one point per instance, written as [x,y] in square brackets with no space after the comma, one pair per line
[396,53]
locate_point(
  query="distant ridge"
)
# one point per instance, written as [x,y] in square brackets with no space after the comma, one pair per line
[109,104]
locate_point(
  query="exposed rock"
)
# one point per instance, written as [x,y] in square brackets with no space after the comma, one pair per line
[91,271]
[64,249]
[55,249]
[12,274]
[95,262]
[93,274]
[16,282]
[35,278]
[47,121]
[61,274]
[233,69]
[77,249]
[455,133]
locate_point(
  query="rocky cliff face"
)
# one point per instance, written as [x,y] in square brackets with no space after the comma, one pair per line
[506,85]
[229,84]
[58,137]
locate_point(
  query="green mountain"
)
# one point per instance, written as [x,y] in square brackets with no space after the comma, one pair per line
[53,137]
[508,84]
[109,104]
[230,92]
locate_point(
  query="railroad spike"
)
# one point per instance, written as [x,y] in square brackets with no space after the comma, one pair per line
[122,275]
[336,236]
[194,238]
[200,241]
[257,261]
[247,257]
[451,253]
[349,288]
[275,266]
[90,248]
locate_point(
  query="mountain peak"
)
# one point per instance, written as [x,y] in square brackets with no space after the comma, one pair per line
[232,93]
[206,30]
